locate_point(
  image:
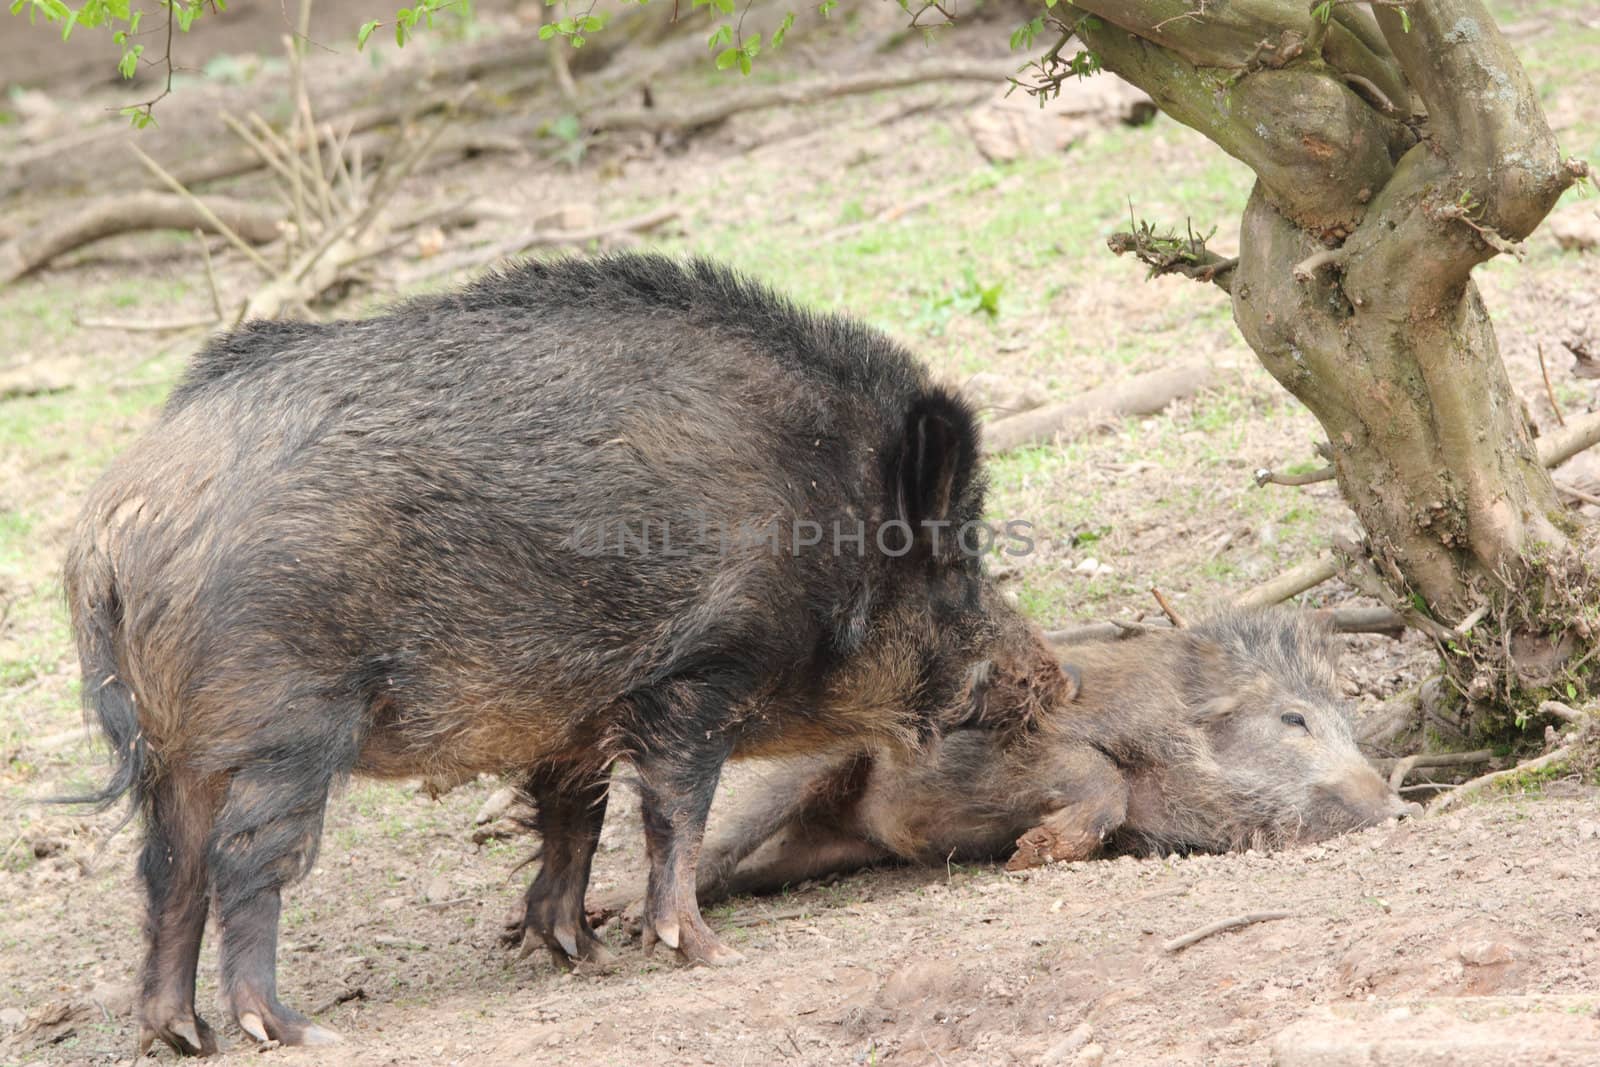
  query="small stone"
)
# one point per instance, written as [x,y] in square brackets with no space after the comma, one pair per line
[1486,953]
[11,1018]
[498,804]
[1062,1050]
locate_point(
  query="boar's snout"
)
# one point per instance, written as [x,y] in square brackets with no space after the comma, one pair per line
[1358,797]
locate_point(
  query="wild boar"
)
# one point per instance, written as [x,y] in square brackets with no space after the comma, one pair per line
[1224,735]
[623,508]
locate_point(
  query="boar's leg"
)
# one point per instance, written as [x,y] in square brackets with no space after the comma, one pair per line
[816,794]
[571,809]
[266,837]
[676,792]
[172,865]
[800,853]
[1088,800]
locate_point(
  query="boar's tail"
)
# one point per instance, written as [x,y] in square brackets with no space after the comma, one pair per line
[97,616]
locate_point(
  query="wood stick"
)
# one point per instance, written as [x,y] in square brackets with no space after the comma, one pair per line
[1266,476]
[193,322]
[1142,394]
[1549,390]
[202,210]
[486,254]
[1478,785]
[211,275]
[1404,766]
[1293,582]
[1178,944]
[110,216]
[1167,609]
[1557,710]
[1579,433]
[1345,621]
[810,91]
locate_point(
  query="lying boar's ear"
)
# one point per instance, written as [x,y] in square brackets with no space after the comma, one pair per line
[932,466]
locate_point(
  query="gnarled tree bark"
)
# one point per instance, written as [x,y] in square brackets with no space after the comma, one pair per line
[1394,150]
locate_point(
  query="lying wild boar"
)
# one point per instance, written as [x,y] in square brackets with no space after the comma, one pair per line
[583,511]
[1216,737]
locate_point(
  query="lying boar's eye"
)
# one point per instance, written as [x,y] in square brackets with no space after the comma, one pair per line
[1294,718]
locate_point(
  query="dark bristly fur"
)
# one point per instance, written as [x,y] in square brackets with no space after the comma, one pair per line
[349,548]
[1176,740]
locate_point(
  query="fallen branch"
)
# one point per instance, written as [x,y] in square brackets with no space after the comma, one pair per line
[1561,445]
[1143,394]
[205,213]
[810,91]
[1478,785]
[1178,944]
[110,216]
[1290,583]
[193,322]
[1364,621]
[1345,621]
[486,254]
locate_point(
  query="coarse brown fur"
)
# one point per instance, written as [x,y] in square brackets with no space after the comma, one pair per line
[380,547]
[1221,736]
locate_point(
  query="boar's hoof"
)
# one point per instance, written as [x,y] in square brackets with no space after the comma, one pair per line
[693,941]
[567,946]
[187,1036]
[284,1027]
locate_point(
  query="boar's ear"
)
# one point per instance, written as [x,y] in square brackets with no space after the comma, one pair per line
[932,466]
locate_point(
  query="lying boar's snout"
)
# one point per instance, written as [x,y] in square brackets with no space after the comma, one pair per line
[1358,799]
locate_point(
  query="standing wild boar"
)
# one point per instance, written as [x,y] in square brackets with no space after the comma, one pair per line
[1220,736]
[508,530]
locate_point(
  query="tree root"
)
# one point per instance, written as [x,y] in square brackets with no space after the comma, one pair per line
[1402,767]
[1143,394]
[1480,784]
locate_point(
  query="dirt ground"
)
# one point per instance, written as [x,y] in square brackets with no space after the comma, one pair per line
[1481,922]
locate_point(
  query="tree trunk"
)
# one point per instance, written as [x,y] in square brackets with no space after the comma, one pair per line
[1394,152]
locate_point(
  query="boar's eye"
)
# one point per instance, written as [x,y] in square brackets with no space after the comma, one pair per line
[1294,718]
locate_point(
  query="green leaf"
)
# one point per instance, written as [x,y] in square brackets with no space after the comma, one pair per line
[744,63]
[400,34]
[66,31]
[547,31]
[1405,20]
[752,45]
[577,40]
[783,28]
[826,7]
[727,58]
[364,32]
[1572,691]
[724,6]
[722,35]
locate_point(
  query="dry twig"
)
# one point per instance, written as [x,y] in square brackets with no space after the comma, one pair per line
[1167,609]
[1178,944]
